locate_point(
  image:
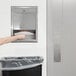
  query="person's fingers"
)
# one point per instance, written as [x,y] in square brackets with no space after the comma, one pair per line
[21,36]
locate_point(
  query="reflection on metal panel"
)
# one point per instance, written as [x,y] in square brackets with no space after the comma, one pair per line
[57,53]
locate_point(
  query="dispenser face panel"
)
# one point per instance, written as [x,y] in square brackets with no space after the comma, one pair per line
[24,21]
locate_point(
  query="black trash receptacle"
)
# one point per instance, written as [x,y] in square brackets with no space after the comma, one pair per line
[34,71]
[22,66]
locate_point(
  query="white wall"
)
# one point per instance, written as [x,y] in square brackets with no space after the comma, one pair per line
[23,49]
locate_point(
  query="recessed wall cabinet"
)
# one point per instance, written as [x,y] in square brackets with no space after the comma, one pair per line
[61,37]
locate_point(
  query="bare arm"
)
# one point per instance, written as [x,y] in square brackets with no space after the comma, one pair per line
[10,39]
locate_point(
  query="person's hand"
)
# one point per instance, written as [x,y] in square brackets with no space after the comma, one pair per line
[20,37]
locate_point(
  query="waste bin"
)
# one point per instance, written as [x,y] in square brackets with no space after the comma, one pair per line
[21,66]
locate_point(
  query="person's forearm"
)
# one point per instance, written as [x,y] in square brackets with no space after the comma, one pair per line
[7,40]
[10,39]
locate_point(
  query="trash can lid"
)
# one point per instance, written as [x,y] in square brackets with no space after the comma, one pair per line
[18,63]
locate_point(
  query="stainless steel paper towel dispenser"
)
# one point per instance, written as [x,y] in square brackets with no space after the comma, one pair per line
[24,21]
